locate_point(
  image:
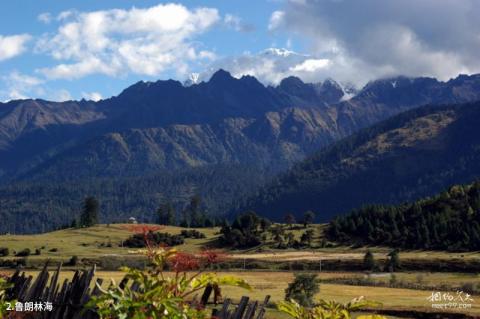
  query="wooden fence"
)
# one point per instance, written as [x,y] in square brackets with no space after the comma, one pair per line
[69,298]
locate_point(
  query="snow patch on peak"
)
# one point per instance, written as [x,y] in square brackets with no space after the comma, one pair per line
[349,90]
[193,78]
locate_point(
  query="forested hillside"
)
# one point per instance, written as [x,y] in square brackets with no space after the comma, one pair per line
[30,207]
[450,220]
[412,155]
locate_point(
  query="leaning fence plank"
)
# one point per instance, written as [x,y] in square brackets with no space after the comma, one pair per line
[206,294]
[251,310]
[238,314]
[224,311]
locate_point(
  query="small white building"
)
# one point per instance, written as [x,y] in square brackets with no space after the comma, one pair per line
[132,220]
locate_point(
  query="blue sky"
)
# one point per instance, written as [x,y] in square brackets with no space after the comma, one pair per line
[223,40]
[62,50]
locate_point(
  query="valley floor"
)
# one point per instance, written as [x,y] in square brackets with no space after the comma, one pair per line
[102,245]
[274,284]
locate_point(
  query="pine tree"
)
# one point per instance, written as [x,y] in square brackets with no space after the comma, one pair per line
[308,218]
[277,233]
[210,222]
[166,214]
[265,224]
[393,262]
[307,237]
[369,261]
[197,216]
[89,215]
[290,238]
[186,221]
[290,219]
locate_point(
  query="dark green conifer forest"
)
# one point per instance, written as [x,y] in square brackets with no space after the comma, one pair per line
[450,220]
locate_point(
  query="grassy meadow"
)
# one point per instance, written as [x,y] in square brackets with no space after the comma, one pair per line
[104,242]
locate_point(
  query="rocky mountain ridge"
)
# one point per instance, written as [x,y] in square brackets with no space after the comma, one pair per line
[225,117]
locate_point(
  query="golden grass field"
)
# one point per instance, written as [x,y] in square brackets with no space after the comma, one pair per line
[103,241]
[274,283]
[93,242]
[106,240]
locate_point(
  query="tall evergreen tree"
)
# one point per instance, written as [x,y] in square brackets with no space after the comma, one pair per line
[308,218]
[166,214]
[89,216]
[393,262]
[197,215]
[369,261]
[290,219]
[307,237]
[265,224]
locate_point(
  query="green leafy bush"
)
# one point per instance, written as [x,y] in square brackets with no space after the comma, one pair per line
[73,261]
[192,233]
[328,309]
[4,251]
[166,239]
[303,289]
[24,253]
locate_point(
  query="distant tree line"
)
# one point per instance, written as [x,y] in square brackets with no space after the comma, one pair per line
[249,230]
[448,221]
[391,264]
[46,205]
[195,215]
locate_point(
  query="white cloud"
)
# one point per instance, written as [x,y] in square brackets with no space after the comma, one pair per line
[13,45]
[376,38]
[44,17]
[61,96]
[310,65]
[16,85]
[112,42]
[20,86]
[236,23]
[276,20]
[80,69]
[92,96]
[272,65]
[65,15]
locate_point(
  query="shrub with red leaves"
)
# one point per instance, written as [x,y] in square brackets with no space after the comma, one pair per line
[143,229]
[182,262]
[210,257]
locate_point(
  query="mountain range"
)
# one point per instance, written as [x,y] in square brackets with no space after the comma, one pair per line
[167,129]
[415,154]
